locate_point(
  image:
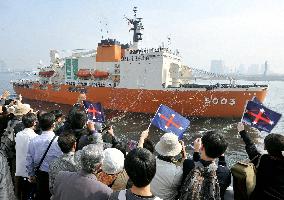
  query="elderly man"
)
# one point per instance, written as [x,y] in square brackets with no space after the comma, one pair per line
[83,185]
[113,173]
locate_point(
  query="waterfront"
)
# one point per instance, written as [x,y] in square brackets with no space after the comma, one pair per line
[129,126]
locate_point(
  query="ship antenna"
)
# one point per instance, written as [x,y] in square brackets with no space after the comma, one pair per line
[101,29]
[104,29]
[137,27]
[169,42]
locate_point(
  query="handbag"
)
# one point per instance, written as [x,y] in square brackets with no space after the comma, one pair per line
[244,178]
[42,158]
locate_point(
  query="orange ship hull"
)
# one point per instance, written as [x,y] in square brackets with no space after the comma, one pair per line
[206,103]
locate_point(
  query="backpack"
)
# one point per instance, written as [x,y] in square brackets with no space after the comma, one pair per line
[201,183]
[122,195]
[244,178]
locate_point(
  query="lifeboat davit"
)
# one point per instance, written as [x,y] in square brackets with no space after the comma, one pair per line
[84,73]
[46,74]
[100,74]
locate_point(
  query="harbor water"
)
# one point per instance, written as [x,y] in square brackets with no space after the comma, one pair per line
[128,126]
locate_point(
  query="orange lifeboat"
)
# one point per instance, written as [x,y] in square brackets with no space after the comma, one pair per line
[46,74]
[84,73]
[100,74]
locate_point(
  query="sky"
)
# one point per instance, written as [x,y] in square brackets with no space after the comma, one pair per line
[236,31]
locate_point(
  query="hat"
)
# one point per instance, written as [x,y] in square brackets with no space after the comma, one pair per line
[168,145]
[22,109]
[113,161]
[11,109]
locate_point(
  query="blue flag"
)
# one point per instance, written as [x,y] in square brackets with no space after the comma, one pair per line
[94,111]
[260,117]
[168,120]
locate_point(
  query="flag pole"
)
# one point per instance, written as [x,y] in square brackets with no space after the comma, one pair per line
[244,112]
[153,117]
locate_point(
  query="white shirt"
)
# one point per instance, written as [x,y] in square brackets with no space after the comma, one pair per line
[167,180]
[22,140]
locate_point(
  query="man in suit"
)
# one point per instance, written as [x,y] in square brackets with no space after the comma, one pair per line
[83,185]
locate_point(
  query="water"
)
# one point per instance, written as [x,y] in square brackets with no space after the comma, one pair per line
[129,125]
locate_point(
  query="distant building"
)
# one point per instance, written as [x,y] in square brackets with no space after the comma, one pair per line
[254,69]
[242,69]
[265,68]
[217,66]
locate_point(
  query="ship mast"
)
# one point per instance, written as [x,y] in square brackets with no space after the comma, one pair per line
[136,27]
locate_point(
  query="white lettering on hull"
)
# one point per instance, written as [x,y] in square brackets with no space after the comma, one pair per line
[221,101]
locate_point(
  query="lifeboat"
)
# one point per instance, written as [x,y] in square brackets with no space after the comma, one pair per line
[100,74]
[46,74]
[84,73]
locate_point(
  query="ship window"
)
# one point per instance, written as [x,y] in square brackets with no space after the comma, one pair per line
[77,89]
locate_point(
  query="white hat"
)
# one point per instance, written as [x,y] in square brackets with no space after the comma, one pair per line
[22,109]
[168,145]
[113,161]
[11,109]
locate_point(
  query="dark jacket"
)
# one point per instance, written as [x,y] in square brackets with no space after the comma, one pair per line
[223,172]
[6,185]
[270,173]
[4,119]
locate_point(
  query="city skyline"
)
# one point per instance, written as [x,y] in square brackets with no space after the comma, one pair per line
[234,31]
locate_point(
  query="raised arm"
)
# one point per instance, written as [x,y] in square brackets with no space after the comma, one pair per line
[143,136]
[250,146]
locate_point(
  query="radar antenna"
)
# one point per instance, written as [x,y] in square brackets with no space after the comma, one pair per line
[136,27]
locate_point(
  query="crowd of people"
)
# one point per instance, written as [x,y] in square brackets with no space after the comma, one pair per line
[44,155]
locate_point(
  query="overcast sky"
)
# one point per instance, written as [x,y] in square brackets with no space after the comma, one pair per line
[237,31]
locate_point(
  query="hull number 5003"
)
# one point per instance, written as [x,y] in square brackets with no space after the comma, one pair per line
[222,101]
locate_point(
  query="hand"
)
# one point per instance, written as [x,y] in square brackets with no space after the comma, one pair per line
[110,131]
[197,144]
[183,151]
[240,127]
[182,143]
[32,179]
[5,94]
[91,125]
[144,134]
[81,98]
[20,98]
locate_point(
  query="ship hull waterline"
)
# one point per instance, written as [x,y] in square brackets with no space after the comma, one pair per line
[207,103]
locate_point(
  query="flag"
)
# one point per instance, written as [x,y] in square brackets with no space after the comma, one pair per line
[260,117]
[168,120]
[94,111]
